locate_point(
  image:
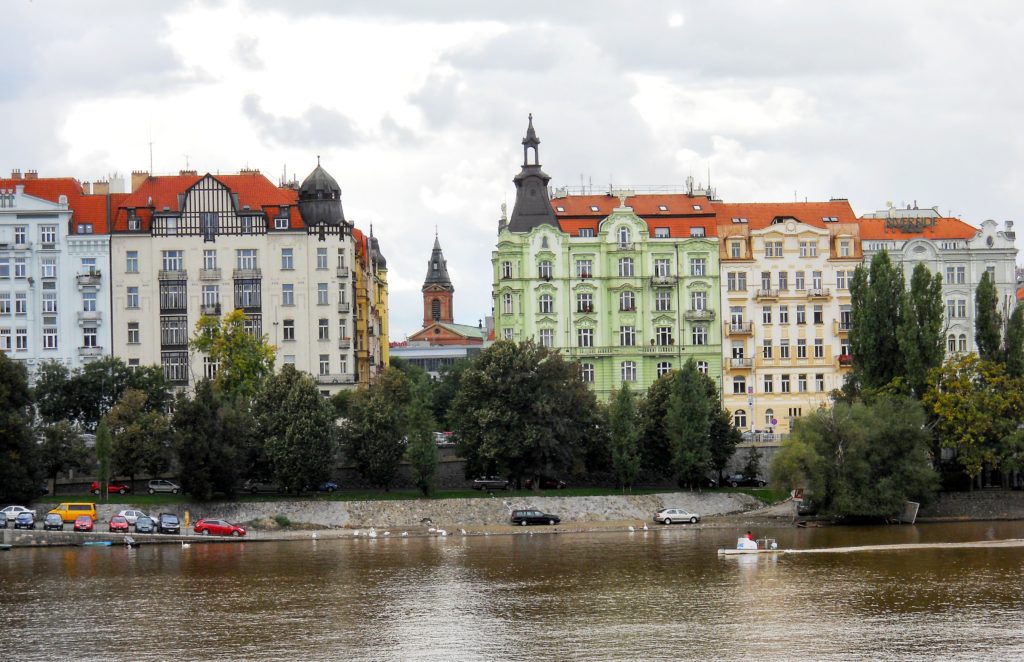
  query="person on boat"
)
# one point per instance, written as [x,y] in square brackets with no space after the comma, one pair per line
[750,536]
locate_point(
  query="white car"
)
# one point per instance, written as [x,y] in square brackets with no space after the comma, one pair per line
[161,485]
[132,515]
[12,512]
[669,515]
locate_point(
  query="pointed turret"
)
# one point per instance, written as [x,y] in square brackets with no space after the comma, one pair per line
[320,199]
[532,206]
[437,268]
[437,289]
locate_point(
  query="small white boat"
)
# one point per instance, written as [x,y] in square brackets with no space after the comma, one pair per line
[760,546]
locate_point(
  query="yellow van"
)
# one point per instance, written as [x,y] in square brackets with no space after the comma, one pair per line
[69,511]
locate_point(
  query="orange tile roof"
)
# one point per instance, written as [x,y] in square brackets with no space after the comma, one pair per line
[85,209]
[1020,294]
[761,214]
[944,228]
[679,216]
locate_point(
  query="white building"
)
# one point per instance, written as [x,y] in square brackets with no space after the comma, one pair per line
[54,282]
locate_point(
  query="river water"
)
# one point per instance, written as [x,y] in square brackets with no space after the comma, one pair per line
[657,595]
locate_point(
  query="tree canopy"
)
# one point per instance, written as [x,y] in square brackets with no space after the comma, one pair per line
[988,322]
[624,437]
[920,333]
[244,359]
[20,473]
[877,296]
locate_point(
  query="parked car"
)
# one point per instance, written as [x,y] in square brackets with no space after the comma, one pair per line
[53,521]
[806,507]
[217,527]
[546,483]
[131,515]
[168,523]
[118,524]
[70,511]
[524,517]
[43,490]
[113,487]
[83,523]
[328,486]
[3,522]
[25,520]
[739,480]
[256,487]
[670,515]
[161,485]
[145,524]
[11,512]
[491,483]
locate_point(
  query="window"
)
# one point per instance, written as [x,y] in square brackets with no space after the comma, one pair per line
[21,303]
[735,249]
[800,280]
[737,281]
[698,300]
[49,337]
[815,280]
[663,335]
[739,385]
[962,343]
[584,268]
[48,234]
[89,301]
[795,412]
[323,330]
[584,302]
[287,294]
[287,260]
[661,233]
[321,294]
[626,267]
[961,308]
[172,260]
[544,269]
[20,268]
[773,249]
[49,302]
[844,248]
[49,267]
[587,372]
[624,237]
[840,280]
[739,349]
[766,314]
[697,231]
[506,269]
[245,259]
[586,232]
[819,348]
[769,417]
[817,314]
[325,364]
[584,337]
[808,249]
[951,343]
[627,336]
[209,259]
[784,280]
[662,267]
[801,314]
[20,235]
[321,258]
[819,383]
[506,334]
[545,304]
[88,336]
[801,383]
[702,367]
[767,384]
[783,383]
[801,348]
[506,304]
[132,262]
[21,340]
[766,349]
[662,300]
[133,333]
[627,300]
[5,340]
[663,368]
[784,349]
[547,338]
[248,294]
[288,330]
[628,370]
[961,273]
[739,418]
[700,335]
[5,303]
[211,295]
[281,223]
[766,280]
[698,266]
[342,330]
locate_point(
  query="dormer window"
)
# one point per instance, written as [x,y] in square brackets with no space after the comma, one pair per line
[662,207]
[696,208]
[661,233]
[697,231]
[594,208]
[559,208]
[739,219]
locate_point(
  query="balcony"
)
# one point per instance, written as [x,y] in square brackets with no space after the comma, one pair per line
[584,309]
[623,246]
[763,294]
[336,378]
[209,274]
[172,274]
[739,363]
[344,343]
[585,274]
[699,315]
[210,309]
[819,293]
[344,306]
[90,351]
[840,326]
[89,316]
[663,281]
[246,274]
[661,349]
[91,279]
[739,328]
[342,272]
[845,360]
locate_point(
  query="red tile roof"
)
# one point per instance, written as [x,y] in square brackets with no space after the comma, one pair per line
[85,209]
[1020,294]
[944,228]
[679,216]
[761,214]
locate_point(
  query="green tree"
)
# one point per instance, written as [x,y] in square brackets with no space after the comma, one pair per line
[522,410]
[688,426]
[422,451]
[209,451]
[921,331]
[52,392]
[876,296]
[141,437]
[724,437]
[62,448]
[988,322]
[752,468]
[860,460]
[374,434]
[624,437]
[245,360]
[1014,349]
[444,391]
[20,471]
[976,406]
[104,451]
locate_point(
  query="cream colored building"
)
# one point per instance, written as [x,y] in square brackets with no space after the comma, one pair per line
[188,245]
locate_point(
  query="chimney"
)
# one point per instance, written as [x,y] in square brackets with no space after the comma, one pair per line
[16,174]
[85,188]
[138,176]
[100,187]
[249,171]
[189,173]
[31,174]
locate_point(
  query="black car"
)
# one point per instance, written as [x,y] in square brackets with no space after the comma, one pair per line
[524,517]
[545,483]
[491,483]
[25,521]
[167,523]
[145,525]
[54,522]
[739,480]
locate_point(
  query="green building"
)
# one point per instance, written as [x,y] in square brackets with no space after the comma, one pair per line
[625,284]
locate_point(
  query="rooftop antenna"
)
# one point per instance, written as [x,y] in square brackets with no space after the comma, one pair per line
[151,149]
[709,175]
[186,162]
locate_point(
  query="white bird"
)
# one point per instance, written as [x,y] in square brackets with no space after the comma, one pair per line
[645,526]
[464,532]
[631,529]
[372,533]
[185,544]
[387,533]
[442,532]
[431,530]
[356,533]
[405,534]
[315,536]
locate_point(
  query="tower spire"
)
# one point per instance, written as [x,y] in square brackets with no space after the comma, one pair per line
[437,288]
[533,206]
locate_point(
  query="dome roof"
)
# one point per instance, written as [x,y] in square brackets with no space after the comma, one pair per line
[319,185]
[320,198]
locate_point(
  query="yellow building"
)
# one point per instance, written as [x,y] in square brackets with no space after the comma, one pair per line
[371,318]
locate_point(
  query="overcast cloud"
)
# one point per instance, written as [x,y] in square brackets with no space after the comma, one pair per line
[418,108]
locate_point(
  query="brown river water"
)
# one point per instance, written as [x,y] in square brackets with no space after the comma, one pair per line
[657,595]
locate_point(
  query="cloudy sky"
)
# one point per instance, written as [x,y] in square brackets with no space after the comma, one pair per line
[418,108]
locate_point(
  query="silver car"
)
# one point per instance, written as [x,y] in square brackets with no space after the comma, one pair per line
[161,485]
[670,515]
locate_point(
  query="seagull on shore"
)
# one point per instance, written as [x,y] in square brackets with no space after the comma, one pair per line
[405,534]
[431,530]
[464,532]
[372,533]
[631,529]
[387,533]
[442,532]
[315,536]
[645,526]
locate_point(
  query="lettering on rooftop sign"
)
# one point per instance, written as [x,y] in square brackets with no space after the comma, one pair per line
[909,223]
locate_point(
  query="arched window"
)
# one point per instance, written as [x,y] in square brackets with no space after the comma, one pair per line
[962,341]
[506,303]
[435,309]
[624,236]
[739,418]
[951,343]
[545,304]
[739,385]
[769,416]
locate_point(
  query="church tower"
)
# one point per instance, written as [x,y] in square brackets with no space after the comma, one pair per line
[437,289]
[533,206]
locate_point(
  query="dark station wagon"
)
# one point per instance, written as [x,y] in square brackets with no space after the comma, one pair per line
[524,517]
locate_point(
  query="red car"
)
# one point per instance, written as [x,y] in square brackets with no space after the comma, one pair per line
[112,488]
[217,527]
[83,523]
[118,524]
